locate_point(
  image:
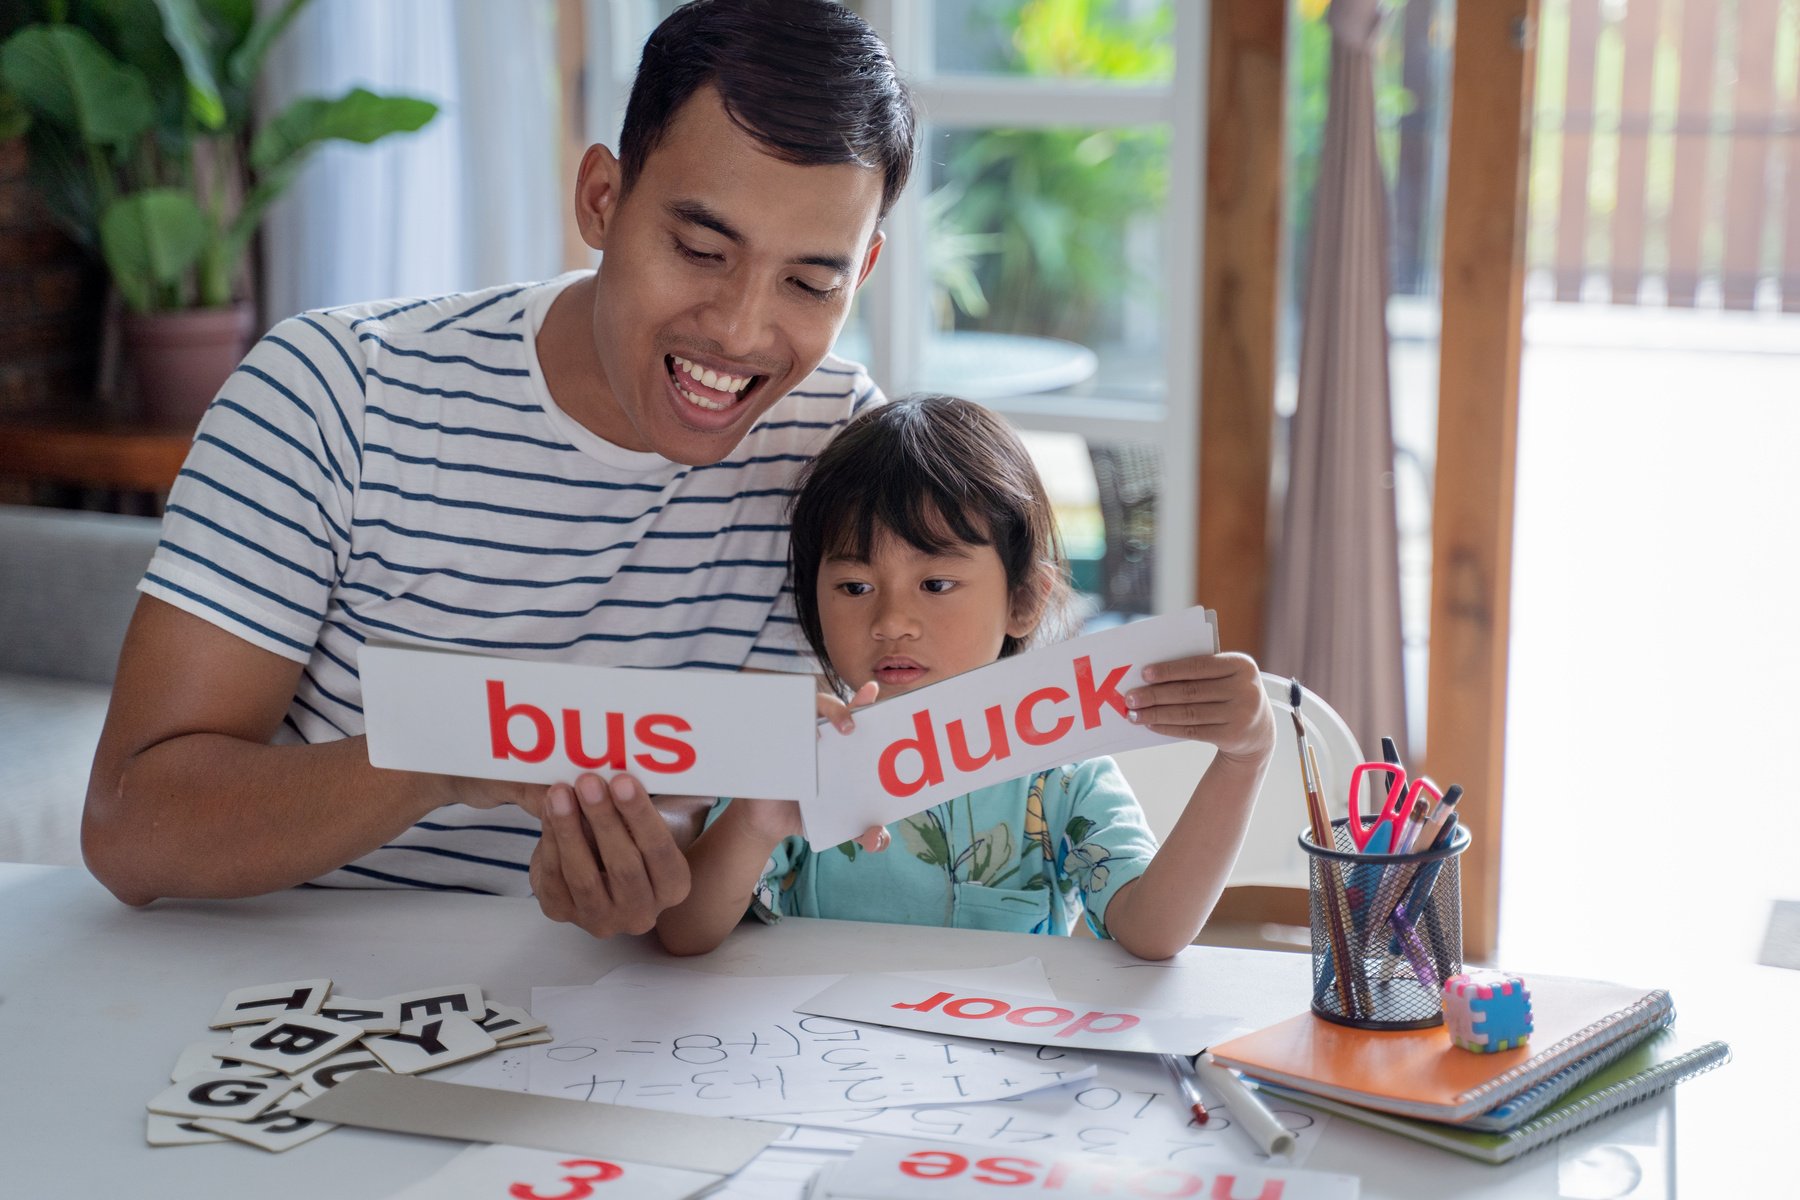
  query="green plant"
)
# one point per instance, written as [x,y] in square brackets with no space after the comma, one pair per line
[138,118]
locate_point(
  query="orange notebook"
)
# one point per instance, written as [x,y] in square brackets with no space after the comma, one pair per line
[1418,1073]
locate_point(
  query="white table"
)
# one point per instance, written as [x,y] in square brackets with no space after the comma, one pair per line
[97,999]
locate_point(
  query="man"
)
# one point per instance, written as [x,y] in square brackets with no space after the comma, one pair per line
[592,469]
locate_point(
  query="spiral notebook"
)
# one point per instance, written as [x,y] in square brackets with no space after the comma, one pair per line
[1418,1073]
[1654,1065]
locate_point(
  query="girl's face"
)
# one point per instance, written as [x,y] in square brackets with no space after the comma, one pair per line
[905,618]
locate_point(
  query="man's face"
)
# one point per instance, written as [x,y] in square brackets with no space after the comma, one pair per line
[725,278]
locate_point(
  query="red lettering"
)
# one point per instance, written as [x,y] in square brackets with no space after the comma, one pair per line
[1019,1016]
[960,1008]
[933,1164]
[928,1004]
[1092,698]
[1009,1176]
[500,726]
[613,757]
[998,748]
[925,745]
[1089,1022]
[683,754]
[1026,724]
[1224,1187]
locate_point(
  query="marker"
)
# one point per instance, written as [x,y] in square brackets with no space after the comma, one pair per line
[1254,1117]
[1184,1083]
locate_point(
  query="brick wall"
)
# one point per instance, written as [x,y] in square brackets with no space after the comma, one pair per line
[51,297]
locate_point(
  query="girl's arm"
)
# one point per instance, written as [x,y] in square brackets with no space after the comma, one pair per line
[1216,698]
[725,862]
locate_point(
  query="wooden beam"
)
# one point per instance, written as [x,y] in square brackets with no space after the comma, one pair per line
[1240,288]
[1478,411]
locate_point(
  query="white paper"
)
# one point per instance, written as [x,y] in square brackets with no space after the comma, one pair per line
[1055,705]
[661,1037]
[494,1172]
[708,733]
[941,1006]
[910,1169]
[1129,1108]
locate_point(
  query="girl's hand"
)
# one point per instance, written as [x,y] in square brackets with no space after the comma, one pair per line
[773,820]
[1216,698]
[838,713]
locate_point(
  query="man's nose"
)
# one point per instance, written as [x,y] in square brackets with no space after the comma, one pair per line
[737,315]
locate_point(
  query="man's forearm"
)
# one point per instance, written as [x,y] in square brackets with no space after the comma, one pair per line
[210,815]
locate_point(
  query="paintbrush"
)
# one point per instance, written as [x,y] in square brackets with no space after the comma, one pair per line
[1337,902]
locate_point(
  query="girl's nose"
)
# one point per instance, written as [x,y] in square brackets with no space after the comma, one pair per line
[894,620]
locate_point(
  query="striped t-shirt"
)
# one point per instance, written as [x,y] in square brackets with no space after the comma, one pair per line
[399,472]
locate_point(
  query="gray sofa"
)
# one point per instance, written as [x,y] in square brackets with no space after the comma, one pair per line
[68,582]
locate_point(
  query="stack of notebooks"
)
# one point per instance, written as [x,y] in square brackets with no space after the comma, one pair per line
[1594,1049]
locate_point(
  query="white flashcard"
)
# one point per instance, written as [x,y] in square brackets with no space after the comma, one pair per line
[276,1130]
[895,1169]
[372,1016]
[162,1130]
[405,1104]
[292,1044]
[429,1044]
[462,998]
[212,1056]
[1057,704]
[535,1038]
[907,1003]
[499,1172]
[504,1022]
[707,733]
[334,1070]
[254,1005]
[219,1094]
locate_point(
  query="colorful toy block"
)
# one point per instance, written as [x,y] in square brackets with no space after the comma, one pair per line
[1487,1011]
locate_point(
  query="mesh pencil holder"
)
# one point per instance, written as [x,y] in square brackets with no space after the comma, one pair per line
[1396,919]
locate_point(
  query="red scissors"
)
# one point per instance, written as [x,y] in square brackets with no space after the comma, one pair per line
[1383,834]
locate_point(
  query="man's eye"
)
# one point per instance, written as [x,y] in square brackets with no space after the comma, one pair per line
[814,292]
[688,252]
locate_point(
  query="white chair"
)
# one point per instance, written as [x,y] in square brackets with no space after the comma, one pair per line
[1268,883]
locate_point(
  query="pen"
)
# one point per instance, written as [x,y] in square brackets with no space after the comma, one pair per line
[1254,1117]
[1184,1083]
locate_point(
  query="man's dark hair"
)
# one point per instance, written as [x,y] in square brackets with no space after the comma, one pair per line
[936,472]
[807,78]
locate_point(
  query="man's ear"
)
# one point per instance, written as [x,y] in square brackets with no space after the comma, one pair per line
[599,186]
[874,252]
[1030,599]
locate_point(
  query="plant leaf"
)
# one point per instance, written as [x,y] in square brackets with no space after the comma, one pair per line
[15,118]
[357,116]
[151,238]
[187,32]
[63,74]
[246,61]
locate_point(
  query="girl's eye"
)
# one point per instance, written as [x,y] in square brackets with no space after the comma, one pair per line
[852,587]
[938,587]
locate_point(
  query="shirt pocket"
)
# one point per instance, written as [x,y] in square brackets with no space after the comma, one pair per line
[1004,910]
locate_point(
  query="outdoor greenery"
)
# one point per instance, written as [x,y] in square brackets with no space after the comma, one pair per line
[138,117]
[1029,231]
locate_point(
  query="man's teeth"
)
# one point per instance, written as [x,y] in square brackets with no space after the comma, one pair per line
[711,378]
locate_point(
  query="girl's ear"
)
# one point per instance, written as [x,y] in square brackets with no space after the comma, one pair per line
[1029,600]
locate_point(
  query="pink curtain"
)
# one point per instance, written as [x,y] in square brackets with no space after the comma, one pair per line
[1334,619]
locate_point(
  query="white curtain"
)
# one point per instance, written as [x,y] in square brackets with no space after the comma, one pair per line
[475,198]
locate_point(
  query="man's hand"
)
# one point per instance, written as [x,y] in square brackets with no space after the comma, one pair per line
[607,860]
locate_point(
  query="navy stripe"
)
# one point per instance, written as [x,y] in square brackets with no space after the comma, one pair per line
[305,450]
[450,394]
[427,535]
[549,613]
[328,693]
[264,592]
[263,511]
[461,857]
[446,359]
[345,630]
[304,407]
[639,569]
[322,648]
[288,720]
[433,825]
[689,535]
[777,651]
[740,464]
[796,424]
[508,510]
[312,497]
[728,497]
[469,431]
[515,316]
[392,312]
[609,638]
[489,333]
[344,421]
[315,712]
[353,869]
[822,369]
[469,312]
[573,580]
[841,395]
[339,347]
[857,405]
[529,476]
[153,577]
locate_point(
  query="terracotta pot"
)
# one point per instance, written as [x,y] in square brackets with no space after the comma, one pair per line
[179,360]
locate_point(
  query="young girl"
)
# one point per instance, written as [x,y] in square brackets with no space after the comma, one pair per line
[922,547]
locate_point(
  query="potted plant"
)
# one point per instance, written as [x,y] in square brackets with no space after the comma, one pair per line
[139,122]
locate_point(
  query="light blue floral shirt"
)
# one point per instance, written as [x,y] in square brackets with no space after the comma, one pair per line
[1033,855]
